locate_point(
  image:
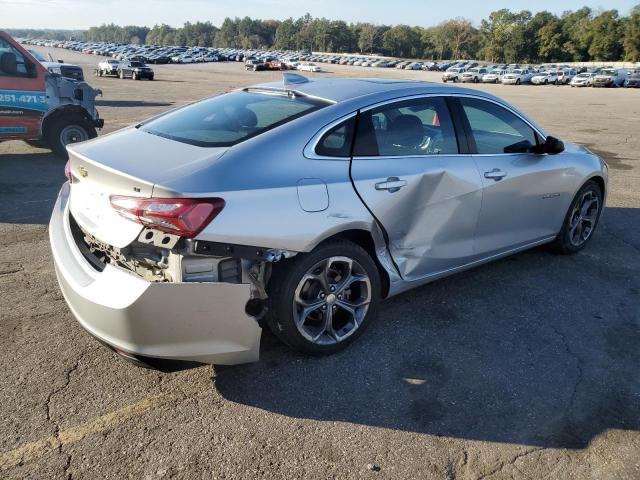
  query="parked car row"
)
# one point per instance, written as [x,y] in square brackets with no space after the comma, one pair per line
[544,75]
[454,71]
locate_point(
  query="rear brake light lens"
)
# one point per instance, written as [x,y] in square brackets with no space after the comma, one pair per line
[185,217]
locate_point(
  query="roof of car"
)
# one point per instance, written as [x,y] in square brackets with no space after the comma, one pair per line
[343,89]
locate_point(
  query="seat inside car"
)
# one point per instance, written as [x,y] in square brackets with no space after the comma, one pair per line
[405,134]
[8,63]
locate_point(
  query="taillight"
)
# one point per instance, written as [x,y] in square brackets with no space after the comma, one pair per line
[185,217]
[67,171]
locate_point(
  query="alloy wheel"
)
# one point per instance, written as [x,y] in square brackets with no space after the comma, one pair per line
[583,218]
[331,300]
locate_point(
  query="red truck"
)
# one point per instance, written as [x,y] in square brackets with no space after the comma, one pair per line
[43,108]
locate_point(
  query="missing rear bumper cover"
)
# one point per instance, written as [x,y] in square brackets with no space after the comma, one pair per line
[217,249]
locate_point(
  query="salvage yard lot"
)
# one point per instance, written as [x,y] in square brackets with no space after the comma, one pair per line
[524,368]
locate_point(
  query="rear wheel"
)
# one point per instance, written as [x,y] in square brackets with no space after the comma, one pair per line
[581,220]
[322,301]
[67,129]
[518,81]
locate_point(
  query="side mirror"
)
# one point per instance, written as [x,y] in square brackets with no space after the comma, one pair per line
[553,146]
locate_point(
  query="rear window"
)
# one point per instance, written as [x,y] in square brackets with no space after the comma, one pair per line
[229,119]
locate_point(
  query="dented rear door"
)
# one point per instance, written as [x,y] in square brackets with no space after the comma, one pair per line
[427,199]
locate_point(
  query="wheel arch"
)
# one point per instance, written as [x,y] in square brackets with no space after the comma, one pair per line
[365,239]
[601,183]
[64,110]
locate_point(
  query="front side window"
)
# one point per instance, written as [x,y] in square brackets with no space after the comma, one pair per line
[13,63]
[496,130]
[229,119]
[411,127]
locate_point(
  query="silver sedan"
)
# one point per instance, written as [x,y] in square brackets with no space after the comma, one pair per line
[298,206]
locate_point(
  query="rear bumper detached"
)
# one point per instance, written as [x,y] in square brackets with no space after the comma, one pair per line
[148,322]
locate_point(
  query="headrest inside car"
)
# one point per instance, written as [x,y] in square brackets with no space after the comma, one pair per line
[8,63]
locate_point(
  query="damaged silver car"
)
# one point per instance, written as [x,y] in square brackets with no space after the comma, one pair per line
[298,206]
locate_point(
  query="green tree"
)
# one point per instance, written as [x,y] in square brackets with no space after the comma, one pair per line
[631,40]
[402,41]
[576,27]
[285,35]
[370,37]
[460,36]
[606,40]
[496,34]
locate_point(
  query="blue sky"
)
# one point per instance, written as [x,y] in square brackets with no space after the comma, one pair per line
[85,13]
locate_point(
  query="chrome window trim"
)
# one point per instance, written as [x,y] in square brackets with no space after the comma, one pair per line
[310,149]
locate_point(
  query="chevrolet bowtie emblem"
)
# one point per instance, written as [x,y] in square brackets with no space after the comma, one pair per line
[83,171]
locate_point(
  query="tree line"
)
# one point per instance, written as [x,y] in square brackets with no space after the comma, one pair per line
[505,36]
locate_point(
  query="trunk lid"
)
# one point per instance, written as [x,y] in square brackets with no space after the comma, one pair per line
[128,162]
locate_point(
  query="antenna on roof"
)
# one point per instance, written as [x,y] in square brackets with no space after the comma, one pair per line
[293,79]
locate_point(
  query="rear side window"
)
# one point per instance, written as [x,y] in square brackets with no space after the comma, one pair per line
[420,126]
[229,119]
[337,141]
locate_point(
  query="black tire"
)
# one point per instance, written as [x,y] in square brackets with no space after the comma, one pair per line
[56,126]
[151,78]
[37,143]
[562,243]
[285,279]
[121,75]
[517,81]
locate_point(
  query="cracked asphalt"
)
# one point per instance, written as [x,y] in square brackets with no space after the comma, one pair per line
[524,368]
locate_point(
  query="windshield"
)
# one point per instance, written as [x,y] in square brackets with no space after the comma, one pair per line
[518,72]
[229,119]
[137,64]
[454,70]
[37,56]
[496,72]
[608,71]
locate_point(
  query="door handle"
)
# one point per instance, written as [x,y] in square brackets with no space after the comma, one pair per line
[393,184]
[495,174]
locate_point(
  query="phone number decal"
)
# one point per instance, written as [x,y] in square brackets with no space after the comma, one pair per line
[24,99]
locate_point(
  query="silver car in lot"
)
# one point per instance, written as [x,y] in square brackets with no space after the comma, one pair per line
[298,206]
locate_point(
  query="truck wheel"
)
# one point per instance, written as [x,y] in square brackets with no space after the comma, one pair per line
[68,129]
[37,143]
